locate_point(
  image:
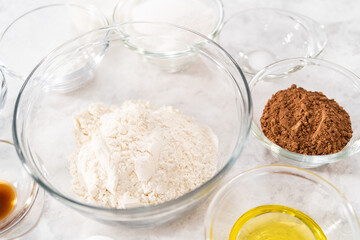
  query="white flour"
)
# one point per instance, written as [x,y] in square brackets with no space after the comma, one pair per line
[138,155]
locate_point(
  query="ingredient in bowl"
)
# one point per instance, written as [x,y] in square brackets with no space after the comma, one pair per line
[306,122]
[275,222]
[7,199]
[136,155]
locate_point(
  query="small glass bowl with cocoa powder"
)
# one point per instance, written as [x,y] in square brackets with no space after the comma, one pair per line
[315,119]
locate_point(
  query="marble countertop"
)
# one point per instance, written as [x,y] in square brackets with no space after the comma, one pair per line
[341,20]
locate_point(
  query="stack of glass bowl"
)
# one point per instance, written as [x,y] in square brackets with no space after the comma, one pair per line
[191,72]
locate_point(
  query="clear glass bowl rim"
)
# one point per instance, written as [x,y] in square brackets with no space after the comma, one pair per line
[307,23]
[300,172]
[90,9]
[3,88]
[311,159]
[211,35]
[151,208]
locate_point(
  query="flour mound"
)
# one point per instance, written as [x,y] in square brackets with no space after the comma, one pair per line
[136,155]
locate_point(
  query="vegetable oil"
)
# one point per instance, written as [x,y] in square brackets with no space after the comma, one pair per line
[276,222]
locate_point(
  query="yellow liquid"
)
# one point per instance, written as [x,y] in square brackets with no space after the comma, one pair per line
[275,222]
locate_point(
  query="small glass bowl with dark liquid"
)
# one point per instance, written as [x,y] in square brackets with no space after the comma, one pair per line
[7,199]
[21,200]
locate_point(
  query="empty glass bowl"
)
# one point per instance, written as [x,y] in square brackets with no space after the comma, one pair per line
[34,34]
[212,90]
[203,16]
[261,36]
[287,186]
[319,75]
[29,197]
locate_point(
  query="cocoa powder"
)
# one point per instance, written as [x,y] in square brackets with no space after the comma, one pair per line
[306,122]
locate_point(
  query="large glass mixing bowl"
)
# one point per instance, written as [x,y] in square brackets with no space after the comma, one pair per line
[212,90]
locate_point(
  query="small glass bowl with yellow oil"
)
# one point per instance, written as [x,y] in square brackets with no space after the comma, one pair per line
[21,199]
[280,203]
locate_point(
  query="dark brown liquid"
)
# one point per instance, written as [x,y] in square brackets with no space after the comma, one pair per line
[7,199]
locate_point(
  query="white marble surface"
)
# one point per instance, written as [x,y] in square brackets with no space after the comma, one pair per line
[342,26]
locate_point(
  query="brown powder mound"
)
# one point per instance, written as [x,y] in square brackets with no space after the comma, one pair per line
[306,122]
